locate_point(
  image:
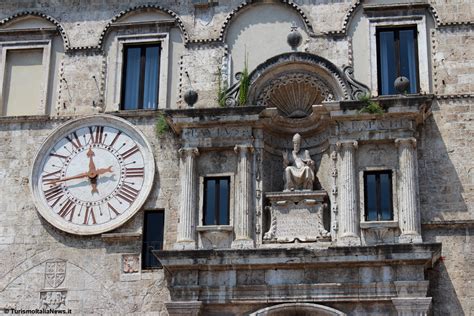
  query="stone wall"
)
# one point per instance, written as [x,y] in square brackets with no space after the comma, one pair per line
[102,274]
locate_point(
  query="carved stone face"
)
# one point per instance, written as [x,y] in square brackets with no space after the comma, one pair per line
[296,144]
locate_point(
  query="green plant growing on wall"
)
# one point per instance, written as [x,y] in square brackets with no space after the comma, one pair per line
[370,106]
[161,125]
[221,88]
[244,83]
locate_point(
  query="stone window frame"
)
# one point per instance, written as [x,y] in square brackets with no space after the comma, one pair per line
[46,46]
[400,21]
[200,226]
[378,224]
[115,71]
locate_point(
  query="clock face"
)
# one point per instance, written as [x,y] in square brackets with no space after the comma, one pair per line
[92,174]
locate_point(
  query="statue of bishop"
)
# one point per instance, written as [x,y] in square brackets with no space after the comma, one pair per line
[299,168]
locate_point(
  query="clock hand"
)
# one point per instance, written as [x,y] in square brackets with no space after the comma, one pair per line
[78,176]
[94,179]
[103,170]
[91,154]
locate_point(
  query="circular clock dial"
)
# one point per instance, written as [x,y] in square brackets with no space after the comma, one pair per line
[92,174]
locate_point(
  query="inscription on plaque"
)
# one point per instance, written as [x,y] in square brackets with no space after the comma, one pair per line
[296,216]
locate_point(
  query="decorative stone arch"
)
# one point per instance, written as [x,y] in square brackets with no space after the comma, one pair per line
[298,309]
[137,9]
[246,5]
[294,82]
[357,4]
[25,14]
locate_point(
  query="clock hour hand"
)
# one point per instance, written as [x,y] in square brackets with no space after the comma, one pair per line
[91,154]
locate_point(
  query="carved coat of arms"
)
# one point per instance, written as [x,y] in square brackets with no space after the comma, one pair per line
[55,273]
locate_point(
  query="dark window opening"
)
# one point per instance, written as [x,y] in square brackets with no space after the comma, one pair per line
[141,69]
[154,222]
[397,55]
[378,195]
[216,201]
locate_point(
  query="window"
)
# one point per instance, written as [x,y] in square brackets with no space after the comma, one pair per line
[378,195]
[216,201]
[141,77]
[152,238]
[24,66]
[397,56]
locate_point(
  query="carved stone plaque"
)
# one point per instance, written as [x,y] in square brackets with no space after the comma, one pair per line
[296,215]
[54,299]
[130,263]
[55,272]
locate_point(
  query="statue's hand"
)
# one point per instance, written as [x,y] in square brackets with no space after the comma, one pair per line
[286,162]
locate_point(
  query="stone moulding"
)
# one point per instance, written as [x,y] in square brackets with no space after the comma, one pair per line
[256,276]
[23,14]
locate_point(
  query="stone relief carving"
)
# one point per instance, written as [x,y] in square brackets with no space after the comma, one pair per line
[55,273]
[130,263]
[299,168]
[296,216]
[294,94]
[53,299]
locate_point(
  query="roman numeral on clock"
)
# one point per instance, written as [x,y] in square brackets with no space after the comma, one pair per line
[51,177]
[111,208]
[97,135]
[134,172]
[89,216]
[130,152]
[54,193]
[68,208]
[74,140]
[128,193]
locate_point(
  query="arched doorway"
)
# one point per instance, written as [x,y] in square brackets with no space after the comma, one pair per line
[298,309]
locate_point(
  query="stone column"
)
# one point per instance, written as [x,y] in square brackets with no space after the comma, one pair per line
[412,306]
[408,216]
[348,215]
[243,196]
[188,205]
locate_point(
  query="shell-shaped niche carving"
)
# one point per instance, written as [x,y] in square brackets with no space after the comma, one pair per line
[294,94]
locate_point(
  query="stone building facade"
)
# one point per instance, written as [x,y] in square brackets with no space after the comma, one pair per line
[210,224]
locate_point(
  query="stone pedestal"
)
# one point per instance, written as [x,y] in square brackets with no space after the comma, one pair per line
[296,215]
[188,206]
[408,191]
[242,218]
[348,215]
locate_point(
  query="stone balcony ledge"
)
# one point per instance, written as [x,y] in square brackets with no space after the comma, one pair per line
[420,254]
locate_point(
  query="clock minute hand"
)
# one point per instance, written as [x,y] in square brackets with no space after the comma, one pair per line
[78,176]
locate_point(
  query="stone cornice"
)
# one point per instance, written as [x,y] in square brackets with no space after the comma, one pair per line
[421,253]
